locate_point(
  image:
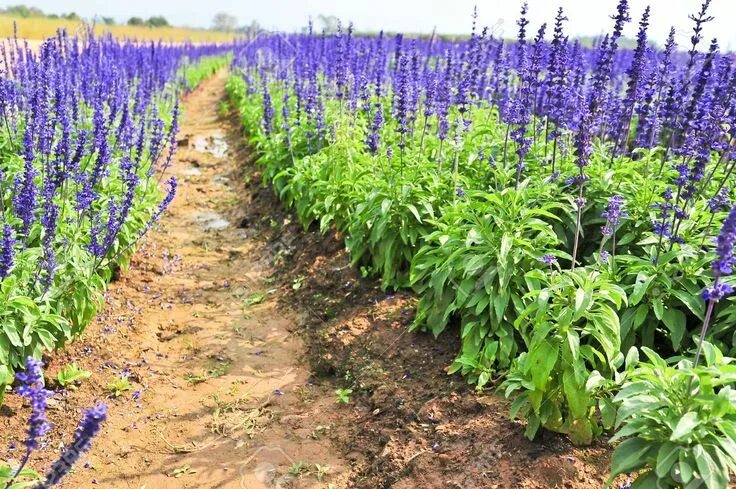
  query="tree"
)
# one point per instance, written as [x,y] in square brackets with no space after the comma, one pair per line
[224,22]
[157,21]
[22,11]
[135,21]
[70,16]
[108,20]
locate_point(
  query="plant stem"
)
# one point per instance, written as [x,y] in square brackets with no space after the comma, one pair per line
[579,205]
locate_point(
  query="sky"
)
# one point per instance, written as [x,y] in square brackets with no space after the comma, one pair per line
[586,17]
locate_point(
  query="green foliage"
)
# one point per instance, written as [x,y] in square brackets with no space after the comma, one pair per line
[22,11]
[468,269]
[192,74]
[25,479]
[117,386]
[157,21]
[6,378]
[223,108]
[571,333]
[343,395]
[681,423]
[71,374]
[35,319]
[437,217]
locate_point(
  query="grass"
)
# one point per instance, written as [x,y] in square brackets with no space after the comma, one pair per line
[41,28]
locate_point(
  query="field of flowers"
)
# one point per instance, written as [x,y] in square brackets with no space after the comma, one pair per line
[568,207]
[89,129]
[567,210]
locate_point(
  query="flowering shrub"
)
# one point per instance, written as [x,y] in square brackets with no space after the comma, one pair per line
[88,131]
[557,202]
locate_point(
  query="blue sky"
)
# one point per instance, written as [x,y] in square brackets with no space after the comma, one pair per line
[587,17]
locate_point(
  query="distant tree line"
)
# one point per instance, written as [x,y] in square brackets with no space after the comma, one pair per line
[155,21]
[25,11]
[222,21]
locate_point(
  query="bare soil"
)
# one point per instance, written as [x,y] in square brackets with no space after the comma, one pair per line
[235,327]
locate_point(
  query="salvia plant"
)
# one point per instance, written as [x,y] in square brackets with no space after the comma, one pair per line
[88,131]
[555,203]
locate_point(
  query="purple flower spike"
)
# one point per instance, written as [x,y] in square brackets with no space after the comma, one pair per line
[548,259]
[32,388]
[613,214]
[724,246]
[7,251]
[88,429]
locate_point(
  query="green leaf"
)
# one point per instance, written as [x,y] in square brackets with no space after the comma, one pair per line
[713,474]
[532,427]
[685,467]
[630,455]
[580,302]
[632,358]
[647,480]
[542,359]
[693,302]
[608,412]
[12,333]
[675,321]
[577,398]
[658,307]
[581,432]
[414,211]
[643,281]
[506,243]
[666,457]
[685,427]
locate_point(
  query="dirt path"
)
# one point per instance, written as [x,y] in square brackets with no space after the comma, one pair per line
[221,397]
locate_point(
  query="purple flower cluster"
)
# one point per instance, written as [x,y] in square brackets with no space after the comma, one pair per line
[724,246]
[613,214]
[32,388]
[96,159]
[555,101]
[88,429]
[7,251]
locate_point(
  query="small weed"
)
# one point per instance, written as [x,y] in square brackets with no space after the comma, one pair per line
[298,469]
[254,299]
[297,284]
[343,395]
[217,371]
[71,375]
[194,379]
[321,471]
[182,471]
[223,108]
[118,386]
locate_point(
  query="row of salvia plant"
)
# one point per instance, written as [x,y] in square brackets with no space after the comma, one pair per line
[88,129]
[564,205]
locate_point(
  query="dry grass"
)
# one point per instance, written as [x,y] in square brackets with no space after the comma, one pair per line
[41,28]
